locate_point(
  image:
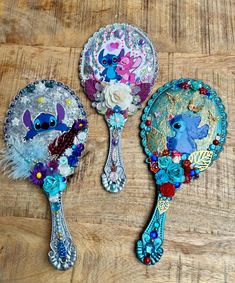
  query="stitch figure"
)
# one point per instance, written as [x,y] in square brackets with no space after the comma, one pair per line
[126,66]
[44,122]
[109,62]
[186,131]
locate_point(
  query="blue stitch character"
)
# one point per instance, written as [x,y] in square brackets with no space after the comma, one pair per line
[109,62]
[44,122]
[186,129]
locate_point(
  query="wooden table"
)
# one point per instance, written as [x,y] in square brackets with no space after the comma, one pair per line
[194,38]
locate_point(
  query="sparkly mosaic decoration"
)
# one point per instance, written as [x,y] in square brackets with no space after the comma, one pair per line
[118,69]
[45,133]
[183,130]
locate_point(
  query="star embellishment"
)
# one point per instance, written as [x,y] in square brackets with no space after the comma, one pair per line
[15,121]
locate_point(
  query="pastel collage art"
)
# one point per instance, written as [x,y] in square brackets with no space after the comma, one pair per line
[183,130]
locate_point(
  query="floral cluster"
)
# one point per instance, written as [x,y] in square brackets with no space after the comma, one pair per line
[106,96]
[116,117]
[51,176]
[171,169]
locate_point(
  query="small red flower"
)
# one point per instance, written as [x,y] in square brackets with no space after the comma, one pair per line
[202,90]
[186,163]
[167,189]
[184,85]
[166,152]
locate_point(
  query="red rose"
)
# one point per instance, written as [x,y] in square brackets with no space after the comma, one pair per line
[167,189]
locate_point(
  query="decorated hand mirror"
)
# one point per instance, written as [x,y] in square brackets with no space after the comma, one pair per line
[118,68]
[183,130]
[45,133]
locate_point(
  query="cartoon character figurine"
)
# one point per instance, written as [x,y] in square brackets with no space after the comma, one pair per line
[126,66]
[186,131]
[44,122]
[109,62]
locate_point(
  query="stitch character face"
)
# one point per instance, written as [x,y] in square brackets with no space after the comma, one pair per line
[44,122]
[109,62]
[186,129]
[126,66]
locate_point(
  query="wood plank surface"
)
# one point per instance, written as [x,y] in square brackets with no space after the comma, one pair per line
[43,39]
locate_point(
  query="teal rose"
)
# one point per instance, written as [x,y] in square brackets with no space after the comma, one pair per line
[161,177]
[164,162]
[175,173]
[54,184]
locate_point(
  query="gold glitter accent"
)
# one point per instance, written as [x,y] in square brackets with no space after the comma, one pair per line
[68,102]
[201,159]
[40,100]
[163,205]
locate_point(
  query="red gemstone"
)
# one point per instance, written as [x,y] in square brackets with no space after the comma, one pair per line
[215,142]
[202,90]
[148,123]
[147,260]
[184,85]
[165,152]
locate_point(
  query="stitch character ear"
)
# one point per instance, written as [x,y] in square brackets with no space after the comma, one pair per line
[60,112]
[27,119]
[101,55]
[121,54]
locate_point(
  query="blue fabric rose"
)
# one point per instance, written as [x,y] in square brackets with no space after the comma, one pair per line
[54,184]
[164,161]
[161,177]
[175,173]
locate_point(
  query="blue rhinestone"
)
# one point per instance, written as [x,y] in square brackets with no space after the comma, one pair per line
[192,173]
[212,146]
[153,235]
[184,157]
[154,158]
[55,206]
[177,185]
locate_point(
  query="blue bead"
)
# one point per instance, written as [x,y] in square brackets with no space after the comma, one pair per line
[197,171]
[184,157]
[153,235]
[212,146]
[177,185]
[192,173]
[74,146]
[154,158]
[63,179]
[55,206]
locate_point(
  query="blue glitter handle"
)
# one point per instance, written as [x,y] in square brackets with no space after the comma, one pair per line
[114,177]
[63,252]
[149,248]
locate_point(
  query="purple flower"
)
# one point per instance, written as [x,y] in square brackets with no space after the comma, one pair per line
[80,124]
[91,86]
[144,91]
[38,174]
[52,167]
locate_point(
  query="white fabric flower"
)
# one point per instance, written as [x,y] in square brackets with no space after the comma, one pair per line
[118,94]
[65,170]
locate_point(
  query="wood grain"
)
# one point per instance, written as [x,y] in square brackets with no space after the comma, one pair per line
[43,39]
